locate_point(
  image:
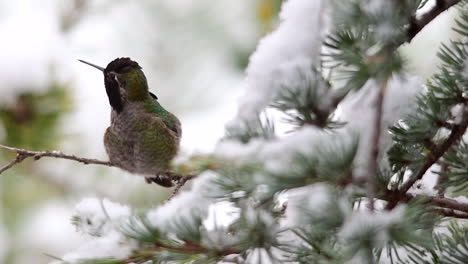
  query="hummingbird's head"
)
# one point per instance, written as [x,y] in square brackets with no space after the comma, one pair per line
[124,81]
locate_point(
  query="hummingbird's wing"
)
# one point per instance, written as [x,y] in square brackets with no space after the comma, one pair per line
[173,123]
[153,95]
[155,146]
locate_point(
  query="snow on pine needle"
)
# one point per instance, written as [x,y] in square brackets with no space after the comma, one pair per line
[96,217]
[100,219]
[357,111]
[295,44]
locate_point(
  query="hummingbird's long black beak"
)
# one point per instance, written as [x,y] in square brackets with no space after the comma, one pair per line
[93,65]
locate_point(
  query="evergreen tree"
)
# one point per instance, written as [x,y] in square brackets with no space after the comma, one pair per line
[347,183]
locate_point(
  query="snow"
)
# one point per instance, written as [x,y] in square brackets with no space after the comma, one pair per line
[113,245]
[313,199]
[221,215]
[29,49]
[277,155]
[457,112]
[427,185]
[427,7]
[96,217]
[218,239]
[184,205]
[377,6]
[360,224]
[358,111]
[461,199]
[294,45]
[47,229]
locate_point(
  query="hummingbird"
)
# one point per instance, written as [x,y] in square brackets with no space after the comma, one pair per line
[143,136]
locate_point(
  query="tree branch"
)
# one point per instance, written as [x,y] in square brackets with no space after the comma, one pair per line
[180,182]
[23,154]
[417,24]
[374,159]
[188,248]
[19,158]
[436,154]
[451,213]
[444,206]
[449,203]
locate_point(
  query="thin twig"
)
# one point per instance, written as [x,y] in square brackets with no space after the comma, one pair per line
[24,154]
[19,158]
[417,24]
[180,183]
[374,159]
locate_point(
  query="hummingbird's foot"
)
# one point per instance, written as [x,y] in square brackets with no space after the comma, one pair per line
[161,180]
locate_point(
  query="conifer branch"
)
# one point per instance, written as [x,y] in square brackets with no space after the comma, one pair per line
[436,152]
[444,206]
[188,248]
[449,203]
[417,24]
[373,166]
[451,213]
[456,134]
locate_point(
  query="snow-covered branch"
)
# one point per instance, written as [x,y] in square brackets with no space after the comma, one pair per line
[436,152]
[444,206]
[417,24]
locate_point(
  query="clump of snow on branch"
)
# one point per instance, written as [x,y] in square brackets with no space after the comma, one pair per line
[113,245]
[457,113]
[360,224]
[313,199]
[277,155]
[383,9]
[98,218]
[296,43]
[218,239]
[358,111]
[221,215]
[184,205]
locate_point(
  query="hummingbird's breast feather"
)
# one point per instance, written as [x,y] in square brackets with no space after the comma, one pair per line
[139,141]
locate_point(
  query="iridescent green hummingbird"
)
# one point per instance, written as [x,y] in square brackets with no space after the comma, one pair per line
[143,137]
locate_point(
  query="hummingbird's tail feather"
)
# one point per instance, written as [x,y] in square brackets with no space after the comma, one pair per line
[162,180]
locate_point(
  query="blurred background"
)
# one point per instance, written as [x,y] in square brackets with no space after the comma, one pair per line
[193,53]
